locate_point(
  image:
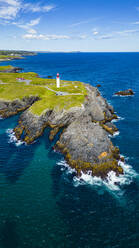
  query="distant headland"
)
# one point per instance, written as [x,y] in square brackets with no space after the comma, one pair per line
[6,55]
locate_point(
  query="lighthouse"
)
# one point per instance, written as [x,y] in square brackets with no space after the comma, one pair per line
[57,81]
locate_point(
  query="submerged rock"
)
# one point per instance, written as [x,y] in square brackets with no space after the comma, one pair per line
[128,92]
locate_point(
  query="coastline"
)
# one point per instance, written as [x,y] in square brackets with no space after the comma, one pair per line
[84,140]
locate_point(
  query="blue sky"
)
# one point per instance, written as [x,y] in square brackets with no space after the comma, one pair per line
[70,25]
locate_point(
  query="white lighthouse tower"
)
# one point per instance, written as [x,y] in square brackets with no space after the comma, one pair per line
[57,81]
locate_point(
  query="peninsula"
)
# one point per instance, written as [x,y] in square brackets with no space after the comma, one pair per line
[76,111]
[12,54]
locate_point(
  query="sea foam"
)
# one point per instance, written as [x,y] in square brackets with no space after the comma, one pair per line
[124,95]
[114,135]
[12,138]
[111,182]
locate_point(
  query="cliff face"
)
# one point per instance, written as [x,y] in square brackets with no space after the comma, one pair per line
[9,108]
[84,140]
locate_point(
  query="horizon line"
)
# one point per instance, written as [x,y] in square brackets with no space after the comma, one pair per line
[43,51]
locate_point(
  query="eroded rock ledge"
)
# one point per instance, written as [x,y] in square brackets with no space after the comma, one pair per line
[9,108]
[84,140]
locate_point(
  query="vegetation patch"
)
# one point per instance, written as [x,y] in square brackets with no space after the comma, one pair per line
[6,67]
[12,88]
[9,57]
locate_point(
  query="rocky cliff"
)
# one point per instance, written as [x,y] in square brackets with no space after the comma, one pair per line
[84,139]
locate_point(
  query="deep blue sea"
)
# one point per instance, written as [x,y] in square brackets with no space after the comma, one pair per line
[41,204]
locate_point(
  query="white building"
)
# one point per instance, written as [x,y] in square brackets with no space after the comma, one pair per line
[58,81]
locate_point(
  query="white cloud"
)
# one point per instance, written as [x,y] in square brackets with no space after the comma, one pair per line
[34,36]
[128,32]
[34,22]
[135,23]
[38,8]
[95,32]
[105,37]
[27,26]
[116,34]
[45,37]
[32,31]
[9,9]
[79,23]
[10,2]
[81,37]
[48,8]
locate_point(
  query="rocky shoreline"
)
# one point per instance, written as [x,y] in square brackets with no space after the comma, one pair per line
[11,70]
[84,138]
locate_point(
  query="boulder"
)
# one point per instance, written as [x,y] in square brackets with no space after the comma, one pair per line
[128,92]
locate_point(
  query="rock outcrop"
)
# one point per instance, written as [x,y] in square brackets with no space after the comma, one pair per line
[98,85]
[128,92]
[9,108]
[84,139]
[12,70]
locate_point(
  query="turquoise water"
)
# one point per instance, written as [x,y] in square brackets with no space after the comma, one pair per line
[41,204]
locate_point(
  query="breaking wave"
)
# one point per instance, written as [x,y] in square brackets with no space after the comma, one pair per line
[119,119]
[112,182]
[12,138]
[114,135]
[64,165]
[123,96]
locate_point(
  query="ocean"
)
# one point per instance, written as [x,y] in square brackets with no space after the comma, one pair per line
[41,203]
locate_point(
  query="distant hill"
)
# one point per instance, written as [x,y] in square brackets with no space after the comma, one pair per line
[16,53]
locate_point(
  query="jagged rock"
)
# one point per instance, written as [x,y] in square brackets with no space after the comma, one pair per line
[110,127]
[35,125]
[87,148]
[128,92]
[9,108]
[97,106]
[84,140]
[89,137]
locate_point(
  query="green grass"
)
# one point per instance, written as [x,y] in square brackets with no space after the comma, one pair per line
[56,102]
[11,77]
[6,57]
[12,89]
[10,92]
[6,67]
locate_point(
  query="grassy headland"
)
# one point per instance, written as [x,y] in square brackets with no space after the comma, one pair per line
[10,55]
[45,89]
